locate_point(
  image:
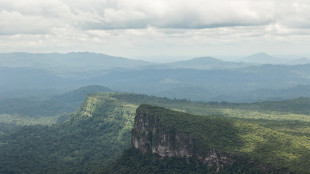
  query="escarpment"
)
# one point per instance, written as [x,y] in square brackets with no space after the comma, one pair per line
[164,132]
[219,143]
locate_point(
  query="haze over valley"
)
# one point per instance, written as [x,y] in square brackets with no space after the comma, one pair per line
[165,86]
[197,79]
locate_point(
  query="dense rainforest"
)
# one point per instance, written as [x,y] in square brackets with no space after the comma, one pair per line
[97,133]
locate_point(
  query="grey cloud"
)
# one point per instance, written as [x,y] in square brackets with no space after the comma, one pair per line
[34,16]
[177,14]
[16,23]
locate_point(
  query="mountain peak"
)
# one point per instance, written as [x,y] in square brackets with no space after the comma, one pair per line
[260,54]
[262,58]
[202,63]
[205,59]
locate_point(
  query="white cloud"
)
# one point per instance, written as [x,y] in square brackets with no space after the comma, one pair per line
[123,14]
[154,26]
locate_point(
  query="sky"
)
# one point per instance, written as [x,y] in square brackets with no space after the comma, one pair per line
[150,28]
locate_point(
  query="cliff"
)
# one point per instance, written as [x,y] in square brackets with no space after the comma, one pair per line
[152,133]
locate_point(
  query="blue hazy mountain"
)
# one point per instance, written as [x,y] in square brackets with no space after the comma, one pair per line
[199,79]
[237,85]
[299,61]
[45,74]
[205,63]
[75,60]
[262,58]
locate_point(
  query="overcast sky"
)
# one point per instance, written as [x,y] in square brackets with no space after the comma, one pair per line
[135,28]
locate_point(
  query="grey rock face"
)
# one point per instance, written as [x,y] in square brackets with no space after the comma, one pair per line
[148,137]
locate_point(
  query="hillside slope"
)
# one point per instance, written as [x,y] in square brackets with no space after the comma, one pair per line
[166,141]
[217,141]
[94,136]
[100,130]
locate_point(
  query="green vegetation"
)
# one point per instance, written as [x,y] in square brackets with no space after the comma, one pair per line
[17,112]
[263,145]
[94,136]
[27,121]
[133,161]
[62,104]
[294,119]
[100,130]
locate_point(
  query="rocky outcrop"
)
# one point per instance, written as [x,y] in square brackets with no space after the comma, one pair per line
[149,136]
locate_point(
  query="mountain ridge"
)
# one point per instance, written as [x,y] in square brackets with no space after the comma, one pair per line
[215,142]
[262,58]
[71,59]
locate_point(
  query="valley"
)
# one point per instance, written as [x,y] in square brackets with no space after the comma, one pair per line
[204,79]
[154,87]
[54,120]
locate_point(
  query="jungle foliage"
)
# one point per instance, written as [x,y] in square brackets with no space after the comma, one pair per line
[133,161]
[100,130]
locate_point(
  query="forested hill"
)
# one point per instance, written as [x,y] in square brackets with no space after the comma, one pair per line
[100,130]
[60,104]
[215,142]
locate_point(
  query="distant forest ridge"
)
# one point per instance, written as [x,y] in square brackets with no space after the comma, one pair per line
[199,79]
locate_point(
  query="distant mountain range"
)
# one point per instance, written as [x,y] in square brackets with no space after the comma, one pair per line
[205,63]
[264,58]
[199,79]
[75,60]
[98,61]
[299,61]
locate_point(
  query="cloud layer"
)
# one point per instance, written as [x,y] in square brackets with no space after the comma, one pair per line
[68,22]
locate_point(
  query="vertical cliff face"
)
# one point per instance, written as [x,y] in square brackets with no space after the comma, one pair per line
[150,135]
